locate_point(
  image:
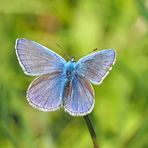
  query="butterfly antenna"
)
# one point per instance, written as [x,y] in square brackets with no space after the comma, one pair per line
[95,49]
[63,50]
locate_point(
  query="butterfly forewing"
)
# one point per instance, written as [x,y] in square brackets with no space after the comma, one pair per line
[80,99]
[45,93]
[96,66]
[35,59]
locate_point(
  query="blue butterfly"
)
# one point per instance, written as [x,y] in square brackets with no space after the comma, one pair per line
[62,83]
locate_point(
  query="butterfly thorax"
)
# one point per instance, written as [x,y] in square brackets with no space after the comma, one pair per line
[70,70]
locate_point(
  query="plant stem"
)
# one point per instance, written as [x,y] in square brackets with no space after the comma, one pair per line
[91,130]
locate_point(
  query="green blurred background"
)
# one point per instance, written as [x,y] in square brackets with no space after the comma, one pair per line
[120,115]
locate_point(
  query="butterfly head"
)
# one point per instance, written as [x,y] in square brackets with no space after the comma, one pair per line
[72,59]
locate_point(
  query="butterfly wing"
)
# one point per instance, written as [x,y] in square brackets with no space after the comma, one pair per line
[35,59]
[45,93]
[96,66]
[80,97]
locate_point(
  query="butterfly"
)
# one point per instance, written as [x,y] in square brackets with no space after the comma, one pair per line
[60,83]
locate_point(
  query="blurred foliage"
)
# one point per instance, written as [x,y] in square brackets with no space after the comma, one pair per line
[120,114]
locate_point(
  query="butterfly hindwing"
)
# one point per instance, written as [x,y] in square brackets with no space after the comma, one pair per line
[45,93]
[80,98]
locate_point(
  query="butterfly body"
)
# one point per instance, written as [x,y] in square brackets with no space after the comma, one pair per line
[62,83]
[70,70]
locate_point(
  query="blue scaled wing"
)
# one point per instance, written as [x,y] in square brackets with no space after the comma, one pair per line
[96,66]
[45,93]
[35,59]
[79,97]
